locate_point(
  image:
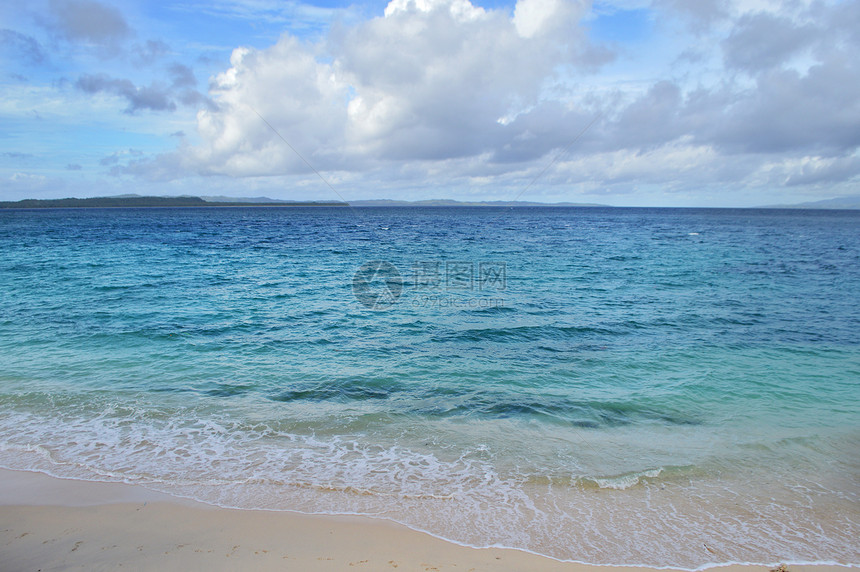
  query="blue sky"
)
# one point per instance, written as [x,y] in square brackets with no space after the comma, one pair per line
[686,102]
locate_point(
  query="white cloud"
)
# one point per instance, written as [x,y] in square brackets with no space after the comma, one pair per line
[454,96]
[533,17]
[428,81]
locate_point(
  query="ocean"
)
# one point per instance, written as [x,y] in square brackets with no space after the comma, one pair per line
[661,387]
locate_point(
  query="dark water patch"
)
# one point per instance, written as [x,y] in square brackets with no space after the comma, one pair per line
[230,390]
[114,287]
[171,390]
[491,310]
[340,390]
[464,401]
[555,409]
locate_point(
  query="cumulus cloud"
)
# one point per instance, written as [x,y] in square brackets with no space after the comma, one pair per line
[452,91]
[534,17]
[428,81]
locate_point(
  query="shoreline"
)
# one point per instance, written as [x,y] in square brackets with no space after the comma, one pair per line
[50,523]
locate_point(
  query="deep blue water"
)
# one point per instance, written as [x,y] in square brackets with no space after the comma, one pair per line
[577,382]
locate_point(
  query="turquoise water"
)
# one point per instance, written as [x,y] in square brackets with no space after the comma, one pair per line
[615,386]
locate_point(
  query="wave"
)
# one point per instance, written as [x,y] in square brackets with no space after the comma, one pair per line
[467,496]
[442,400]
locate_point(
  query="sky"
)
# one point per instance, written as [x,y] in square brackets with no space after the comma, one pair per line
[620,102]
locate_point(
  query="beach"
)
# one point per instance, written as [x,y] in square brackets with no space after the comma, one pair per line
[61,524]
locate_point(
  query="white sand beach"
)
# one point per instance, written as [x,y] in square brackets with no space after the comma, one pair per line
[58,524]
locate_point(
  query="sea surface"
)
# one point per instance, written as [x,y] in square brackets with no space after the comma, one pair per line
[615,386]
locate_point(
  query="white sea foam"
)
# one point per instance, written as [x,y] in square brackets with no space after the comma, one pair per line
[625,481]
[465,498]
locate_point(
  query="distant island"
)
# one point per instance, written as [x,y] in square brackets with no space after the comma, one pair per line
[136,201]
[839,203]
[453,203]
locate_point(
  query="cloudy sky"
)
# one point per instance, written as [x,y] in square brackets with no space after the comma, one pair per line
[621,102]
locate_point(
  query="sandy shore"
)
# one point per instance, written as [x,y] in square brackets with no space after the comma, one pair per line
[57,524]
